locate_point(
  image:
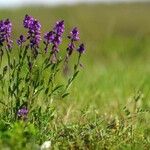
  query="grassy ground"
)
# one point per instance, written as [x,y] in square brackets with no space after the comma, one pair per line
[116,71]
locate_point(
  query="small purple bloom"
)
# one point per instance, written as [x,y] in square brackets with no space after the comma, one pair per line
[28,21]
[57,41]
[70,48]
[5,32]
[49,37]
[59,27]
[74,34]
[81,48]
[21,40]
[22,112]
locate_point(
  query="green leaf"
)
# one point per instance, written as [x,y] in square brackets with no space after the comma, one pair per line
[47,66]
[57,87]
[75,74]
[64,95]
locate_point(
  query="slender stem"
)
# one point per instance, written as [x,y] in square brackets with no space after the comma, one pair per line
[78,62]
[74,74]
[1,56]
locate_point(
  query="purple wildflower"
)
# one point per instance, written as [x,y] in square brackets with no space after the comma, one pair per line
[21,40]
[55,38]
[56,42]
[48,37]
[70,48]
[59,28]
[28,21]
[74,36]
[81,48]
[34,32]
[22,112]
[5,32]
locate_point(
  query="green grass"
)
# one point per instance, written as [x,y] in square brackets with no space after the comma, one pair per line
[116,67]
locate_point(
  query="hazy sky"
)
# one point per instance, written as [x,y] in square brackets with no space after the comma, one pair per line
[12,3]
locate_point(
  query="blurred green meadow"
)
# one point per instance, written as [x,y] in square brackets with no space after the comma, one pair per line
[116,64]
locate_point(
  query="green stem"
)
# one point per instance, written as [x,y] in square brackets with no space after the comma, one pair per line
[1,56]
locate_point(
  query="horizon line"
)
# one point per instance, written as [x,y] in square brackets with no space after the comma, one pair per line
[44,4]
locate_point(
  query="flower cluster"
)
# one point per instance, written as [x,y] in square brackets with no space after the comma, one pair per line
[55,37]
[74,36]
[29,77]
[5,32]
[34,32]
[48,37]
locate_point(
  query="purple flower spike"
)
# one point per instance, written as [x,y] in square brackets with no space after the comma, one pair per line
[21,40]
[74,34]
[55,37]
[28,21]
[22,112]
[49,37]
[5,32]
[59,28]
[34,32]
[81,48]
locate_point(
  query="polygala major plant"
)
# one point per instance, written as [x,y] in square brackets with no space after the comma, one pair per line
[28,78]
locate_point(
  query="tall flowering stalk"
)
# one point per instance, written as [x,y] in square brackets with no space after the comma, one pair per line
[34,33]
[74,36]
[33,73]
[54,38]
[5,33]
[5,37]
